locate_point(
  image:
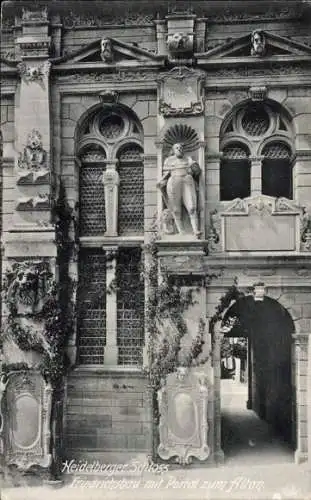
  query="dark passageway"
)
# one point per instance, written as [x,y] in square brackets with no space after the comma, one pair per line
[247,439]
[258,415]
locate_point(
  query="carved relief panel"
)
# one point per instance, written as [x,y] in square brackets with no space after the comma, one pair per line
[183,423]
[181,92]
[25,430]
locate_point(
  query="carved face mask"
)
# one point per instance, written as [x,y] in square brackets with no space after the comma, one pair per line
[258,43]
[106,50]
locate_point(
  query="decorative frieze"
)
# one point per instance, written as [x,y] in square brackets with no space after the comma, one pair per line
[119,76]
[74,20]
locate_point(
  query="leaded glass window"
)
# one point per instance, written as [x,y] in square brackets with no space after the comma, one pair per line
[130,307]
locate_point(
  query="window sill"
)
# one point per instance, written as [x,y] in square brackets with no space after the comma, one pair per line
[117,370]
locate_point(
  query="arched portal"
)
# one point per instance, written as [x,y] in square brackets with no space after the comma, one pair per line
[267,328]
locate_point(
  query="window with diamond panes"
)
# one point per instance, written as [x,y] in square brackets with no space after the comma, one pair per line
[92,307]
[130,307]
[131,191]
[92,218]
[235,176]
[277,170]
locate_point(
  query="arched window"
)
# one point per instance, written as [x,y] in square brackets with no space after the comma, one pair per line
[131,190]
[234,172]
[91,196]
[111,187]
[277,170]
[261,167]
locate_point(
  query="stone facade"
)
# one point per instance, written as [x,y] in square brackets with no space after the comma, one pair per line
[91,105]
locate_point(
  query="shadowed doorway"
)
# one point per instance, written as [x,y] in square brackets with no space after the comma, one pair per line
[258,408]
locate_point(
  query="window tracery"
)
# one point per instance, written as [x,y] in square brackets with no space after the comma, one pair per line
[258,136]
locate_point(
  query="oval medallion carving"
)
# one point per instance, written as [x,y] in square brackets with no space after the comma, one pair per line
[183,416]
[26,425]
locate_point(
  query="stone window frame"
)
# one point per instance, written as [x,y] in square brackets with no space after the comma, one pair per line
[90,134]
[278,130]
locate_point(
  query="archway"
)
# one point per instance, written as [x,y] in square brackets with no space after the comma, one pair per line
[268,405]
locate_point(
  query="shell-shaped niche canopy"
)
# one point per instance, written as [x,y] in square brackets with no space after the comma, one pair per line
[183,134]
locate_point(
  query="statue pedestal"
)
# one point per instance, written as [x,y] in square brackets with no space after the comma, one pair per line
[181,245]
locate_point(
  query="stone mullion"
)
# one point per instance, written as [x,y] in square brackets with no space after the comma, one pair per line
[111,185]
[111,347]
[256,176]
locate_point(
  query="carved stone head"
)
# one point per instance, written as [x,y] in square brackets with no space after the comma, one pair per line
[34,140]
[258,42]
[178,150]
[27,286]
[106,50]
[179,43]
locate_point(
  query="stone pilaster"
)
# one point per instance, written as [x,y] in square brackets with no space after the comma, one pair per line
[301,346]
[33,170]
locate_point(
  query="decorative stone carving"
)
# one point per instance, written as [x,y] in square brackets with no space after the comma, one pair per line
[258,42]
[34,16]
[119,76]
[109,96]
[214,231]
[183,417]
[27,285]
[258,93]
[273,223]
[26,430]
[180,44]
[179,187]
[111,183]
[181,133]
[167,225]
[3,384]
[106,50]
[31,203]
[305,230]
[181,92]
[32,164]
[34,73]
[259,291]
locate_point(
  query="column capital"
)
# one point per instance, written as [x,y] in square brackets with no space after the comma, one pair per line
[256,158]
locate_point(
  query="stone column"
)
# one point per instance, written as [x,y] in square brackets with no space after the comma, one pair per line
[256,175]
[111,348]
[111,183]
[301,347]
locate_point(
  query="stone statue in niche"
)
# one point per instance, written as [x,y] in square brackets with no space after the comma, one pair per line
[34,156]
[106,50]
[179,187]
[258,42]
